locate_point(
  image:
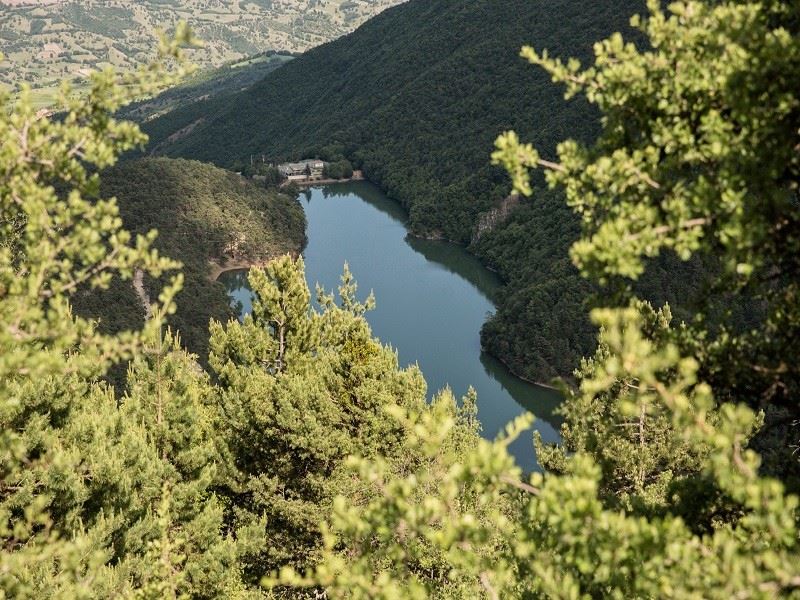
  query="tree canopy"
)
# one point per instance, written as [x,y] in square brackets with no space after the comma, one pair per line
[655,492]
[207,219]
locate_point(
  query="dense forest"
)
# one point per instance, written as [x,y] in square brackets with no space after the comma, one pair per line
[300,461]
[419,117]
[205,216]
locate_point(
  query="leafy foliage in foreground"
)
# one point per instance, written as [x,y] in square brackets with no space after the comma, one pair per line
[50,247]
[706,164]
[656,493]
[300,391]
[178,485]
[563,540]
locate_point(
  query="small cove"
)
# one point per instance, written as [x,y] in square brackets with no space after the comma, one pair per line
[432,298]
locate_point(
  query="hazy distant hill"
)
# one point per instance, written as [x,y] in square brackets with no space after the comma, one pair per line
[45,41]
[207,85]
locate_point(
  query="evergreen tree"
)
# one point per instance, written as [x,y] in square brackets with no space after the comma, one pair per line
[647,466]
[309,461]
[301,389]
[698,156]
[90,482]
[561,540]
[171,401]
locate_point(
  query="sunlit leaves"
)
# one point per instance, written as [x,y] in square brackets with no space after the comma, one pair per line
[64,474]
[699,133]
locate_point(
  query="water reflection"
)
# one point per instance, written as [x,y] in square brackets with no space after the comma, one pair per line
[456,260]
[238,289]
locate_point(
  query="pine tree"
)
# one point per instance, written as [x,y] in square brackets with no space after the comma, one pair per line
[300,390]
[648,467]
[698,156]
[170,399]
[81,479]
[308,460]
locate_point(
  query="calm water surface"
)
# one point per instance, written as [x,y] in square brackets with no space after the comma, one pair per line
[432,298]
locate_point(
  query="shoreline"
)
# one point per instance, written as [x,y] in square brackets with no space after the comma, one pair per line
[437,238]
[522,377]
[216,269]
[441,238]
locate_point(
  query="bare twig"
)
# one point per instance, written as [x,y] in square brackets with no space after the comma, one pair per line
[553,166]
[667,228]
[647,179]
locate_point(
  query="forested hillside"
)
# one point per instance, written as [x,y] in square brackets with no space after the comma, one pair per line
[300,461]
[204,215]
[229,78]
[416,98]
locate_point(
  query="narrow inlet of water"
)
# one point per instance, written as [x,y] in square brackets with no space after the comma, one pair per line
[432,298]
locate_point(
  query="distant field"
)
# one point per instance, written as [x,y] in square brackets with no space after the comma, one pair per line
[29,2]
[46,41]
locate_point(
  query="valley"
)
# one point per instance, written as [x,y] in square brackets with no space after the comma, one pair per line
[419,119]
[271,333]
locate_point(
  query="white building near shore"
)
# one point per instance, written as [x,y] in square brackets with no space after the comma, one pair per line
[302,170]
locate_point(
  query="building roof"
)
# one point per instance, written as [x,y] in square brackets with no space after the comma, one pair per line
[300,165]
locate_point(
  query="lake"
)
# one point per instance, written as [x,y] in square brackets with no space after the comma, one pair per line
[432,298]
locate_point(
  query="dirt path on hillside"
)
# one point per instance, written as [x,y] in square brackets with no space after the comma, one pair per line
[216,269]
[144,298]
